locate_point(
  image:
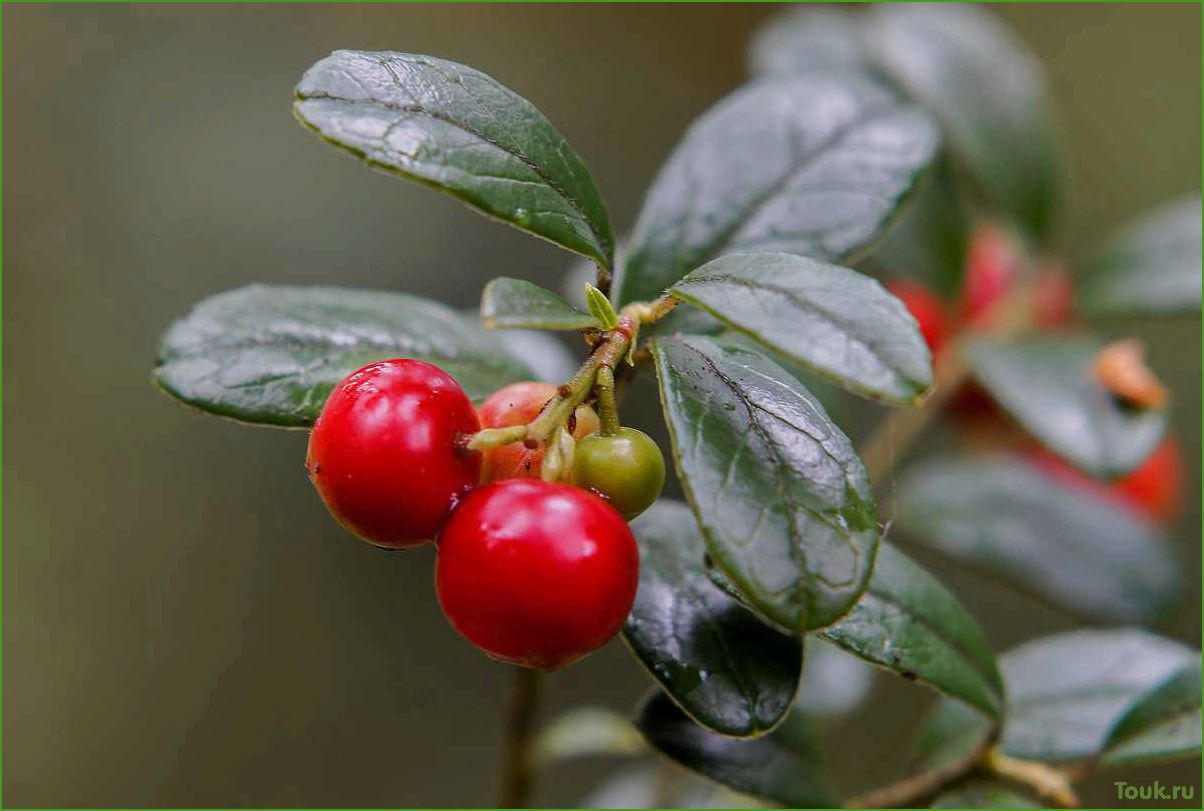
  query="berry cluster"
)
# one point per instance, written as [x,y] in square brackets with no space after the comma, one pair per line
[535,567]
[994,259]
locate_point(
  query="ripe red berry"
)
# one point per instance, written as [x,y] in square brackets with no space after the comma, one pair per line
[1053,297]
[993,261]
[519,404]
[1155,488]
[927,309]
[536,573]
[383,453]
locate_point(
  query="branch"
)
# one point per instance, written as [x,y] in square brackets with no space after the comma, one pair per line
[517,766]
[910,791]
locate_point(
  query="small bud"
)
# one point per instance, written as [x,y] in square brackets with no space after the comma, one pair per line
[1120,368]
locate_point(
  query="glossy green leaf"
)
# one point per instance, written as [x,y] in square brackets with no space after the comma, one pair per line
[458,130]
[1151,267]
[1163,725]
[816,165]
[723,666]
[929,243]
[784,503]
[516,303]
[1011,520]
[786,766]
[836,322]
[1067,692]
[803,39]
[984,793]
[909,623]
[600,307]
[1048,385]
[961,63]
[544,353]
[270,354]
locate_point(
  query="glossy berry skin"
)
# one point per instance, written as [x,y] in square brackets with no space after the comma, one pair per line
[1154,489]
[383,453]
[536,573]
[926,308]
[627,469]
[519,404]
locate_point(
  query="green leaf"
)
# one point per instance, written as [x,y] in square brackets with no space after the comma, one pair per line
[989,93]
[782,499]
[723,666]
[815,165]
[803,39]
[837,323]
[1048,385]
[929,243]
[1010,519]
[509,303]
[543,352]
[786,766]
[271,354]
[984,793]
[909,623]
[1162,725]
[1151,267]
[1068,691]
[458,130]
[600,307]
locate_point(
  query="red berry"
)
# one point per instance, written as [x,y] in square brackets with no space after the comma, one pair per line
[1155,488]
[993,261]
[383,453]
[536,573]
[927,309]
[519,404]
[1053,297]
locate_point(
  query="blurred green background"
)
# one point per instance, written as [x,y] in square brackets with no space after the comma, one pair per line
[183,624]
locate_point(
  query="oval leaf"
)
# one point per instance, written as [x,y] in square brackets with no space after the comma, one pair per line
[786,766]
[1151,267]
[508,303]
[270,354]
[1010,519]
[460,131]
[1068,691]
[909,623]
[989,93]
[837,323]
[813,165]
[727,669]
[984,793]
[1048,385]
[1163,725]
[782,499]
[803,39]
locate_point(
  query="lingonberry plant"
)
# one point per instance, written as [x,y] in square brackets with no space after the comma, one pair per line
[911,144]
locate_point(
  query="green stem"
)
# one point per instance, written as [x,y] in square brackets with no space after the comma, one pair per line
[518,766]
[608,410]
